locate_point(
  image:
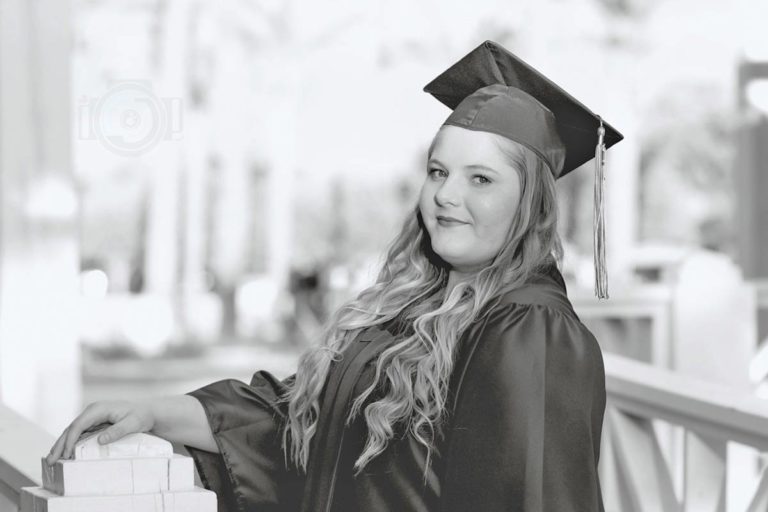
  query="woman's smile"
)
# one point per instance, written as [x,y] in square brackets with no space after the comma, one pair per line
[449,222]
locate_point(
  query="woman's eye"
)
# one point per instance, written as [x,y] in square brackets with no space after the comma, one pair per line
[479,178]
[437,173]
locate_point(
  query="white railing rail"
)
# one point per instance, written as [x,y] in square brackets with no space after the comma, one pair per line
[634,466]
[22,444]
[651,302]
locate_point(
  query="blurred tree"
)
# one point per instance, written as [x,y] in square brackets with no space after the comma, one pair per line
[339,215]
[686,168]
[626,8]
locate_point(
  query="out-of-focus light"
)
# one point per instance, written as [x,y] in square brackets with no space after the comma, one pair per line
[148,325]
[338,278]
[51,199]
[94,284]
[757,94]
[756,52]
[750,16]
[762,391]
[752,32]
[257,297]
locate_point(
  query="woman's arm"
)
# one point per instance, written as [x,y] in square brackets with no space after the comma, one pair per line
[181,419]
[248,470]
[178,419]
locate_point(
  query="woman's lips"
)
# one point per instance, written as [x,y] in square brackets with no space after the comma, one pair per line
[449,222]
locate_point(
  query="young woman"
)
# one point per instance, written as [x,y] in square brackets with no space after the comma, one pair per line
[462,380]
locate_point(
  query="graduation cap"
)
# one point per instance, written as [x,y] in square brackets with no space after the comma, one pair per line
[492,90]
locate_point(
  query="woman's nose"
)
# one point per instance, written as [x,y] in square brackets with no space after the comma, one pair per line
[449,192]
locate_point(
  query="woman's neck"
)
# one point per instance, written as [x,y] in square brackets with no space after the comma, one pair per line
[455,277]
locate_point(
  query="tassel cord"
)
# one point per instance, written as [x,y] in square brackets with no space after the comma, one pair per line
[601,274]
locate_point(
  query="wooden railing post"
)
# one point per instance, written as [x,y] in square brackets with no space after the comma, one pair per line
[717,420]
[759,501]
[715,337]
[705,473]
[21,443]
[644,482]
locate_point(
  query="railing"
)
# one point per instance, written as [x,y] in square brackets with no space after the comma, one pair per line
[22,444]
[758,369]
[634,469]
[649,302]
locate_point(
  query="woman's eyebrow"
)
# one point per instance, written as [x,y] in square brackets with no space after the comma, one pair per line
[471,167]
[435,161]
[480,167]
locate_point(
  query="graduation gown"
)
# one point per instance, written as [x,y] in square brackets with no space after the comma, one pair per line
[522,433]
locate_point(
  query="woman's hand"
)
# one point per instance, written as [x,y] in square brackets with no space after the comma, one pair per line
[125,417]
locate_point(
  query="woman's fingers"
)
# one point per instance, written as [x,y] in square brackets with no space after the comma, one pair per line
[57,449]
[116,432]
[92,415]
[95,418]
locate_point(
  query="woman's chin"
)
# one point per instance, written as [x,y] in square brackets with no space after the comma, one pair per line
[452,258]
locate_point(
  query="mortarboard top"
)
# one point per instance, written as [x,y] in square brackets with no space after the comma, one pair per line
[504,95]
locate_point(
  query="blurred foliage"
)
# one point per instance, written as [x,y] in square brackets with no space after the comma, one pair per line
[345,211]
[187,350]
[686,166]
[110,352]
[119,351]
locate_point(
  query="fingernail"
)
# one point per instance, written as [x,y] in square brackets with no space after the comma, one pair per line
[102,439]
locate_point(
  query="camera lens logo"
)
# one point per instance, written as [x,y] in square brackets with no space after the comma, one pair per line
[130,119]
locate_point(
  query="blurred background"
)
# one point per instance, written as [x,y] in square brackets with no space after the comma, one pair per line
[188,188]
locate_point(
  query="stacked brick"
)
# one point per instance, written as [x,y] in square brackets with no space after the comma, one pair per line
[139,473]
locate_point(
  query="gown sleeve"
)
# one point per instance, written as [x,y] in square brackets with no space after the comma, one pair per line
[528,419]
[250,472]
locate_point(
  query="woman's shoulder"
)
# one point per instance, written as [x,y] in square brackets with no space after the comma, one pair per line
[546,289]
[540,309]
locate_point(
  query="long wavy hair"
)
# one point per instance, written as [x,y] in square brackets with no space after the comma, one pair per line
[412,375]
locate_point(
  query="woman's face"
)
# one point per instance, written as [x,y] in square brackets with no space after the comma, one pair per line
[469,197]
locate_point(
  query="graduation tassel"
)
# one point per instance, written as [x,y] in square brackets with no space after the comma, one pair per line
[598,219]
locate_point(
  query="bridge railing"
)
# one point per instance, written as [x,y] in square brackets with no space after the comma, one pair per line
[22,443]
[634,468]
